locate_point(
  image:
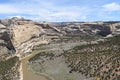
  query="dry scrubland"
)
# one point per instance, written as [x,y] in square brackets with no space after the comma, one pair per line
[96,60]
[50,63]
[101,60]
[9,69]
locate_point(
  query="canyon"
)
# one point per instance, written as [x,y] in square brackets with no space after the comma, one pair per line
[19,37]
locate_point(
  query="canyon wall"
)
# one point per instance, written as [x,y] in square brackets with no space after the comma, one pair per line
[19,36]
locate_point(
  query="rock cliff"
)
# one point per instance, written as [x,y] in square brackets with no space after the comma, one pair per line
[18,36]
[21,35]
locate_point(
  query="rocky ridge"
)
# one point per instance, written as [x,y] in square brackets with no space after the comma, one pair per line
[21,34]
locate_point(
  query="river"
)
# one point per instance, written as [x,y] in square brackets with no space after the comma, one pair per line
[27,73]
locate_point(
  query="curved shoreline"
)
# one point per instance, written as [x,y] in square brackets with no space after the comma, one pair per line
[42,74]
[26,72]
[25,59]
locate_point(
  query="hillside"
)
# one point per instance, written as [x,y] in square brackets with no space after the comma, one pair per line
[88,61]
[96,60]
[19,37]
[20,32]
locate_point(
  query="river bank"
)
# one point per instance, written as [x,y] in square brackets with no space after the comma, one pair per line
[21,72]
[48,61]
[27,73]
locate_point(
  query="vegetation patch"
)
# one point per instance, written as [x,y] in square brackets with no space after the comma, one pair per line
[44,54]
[9,69]
[96,60]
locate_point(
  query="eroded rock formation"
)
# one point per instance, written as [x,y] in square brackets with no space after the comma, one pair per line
[20,35]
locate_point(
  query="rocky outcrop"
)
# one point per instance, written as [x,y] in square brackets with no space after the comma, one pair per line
[20,35]
[26,34]
[6,46]
[101,28]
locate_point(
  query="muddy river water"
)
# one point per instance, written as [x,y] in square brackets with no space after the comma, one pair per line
[27,73]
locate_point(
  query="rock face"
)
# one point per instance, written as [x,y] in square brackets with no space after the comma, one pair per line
[21,35]
[25,31]
[101,28]
[6,46]
[25,34]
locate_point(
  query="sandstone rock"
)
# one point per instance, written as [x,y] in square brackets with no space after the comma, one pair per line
[6,22]
[21,35]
